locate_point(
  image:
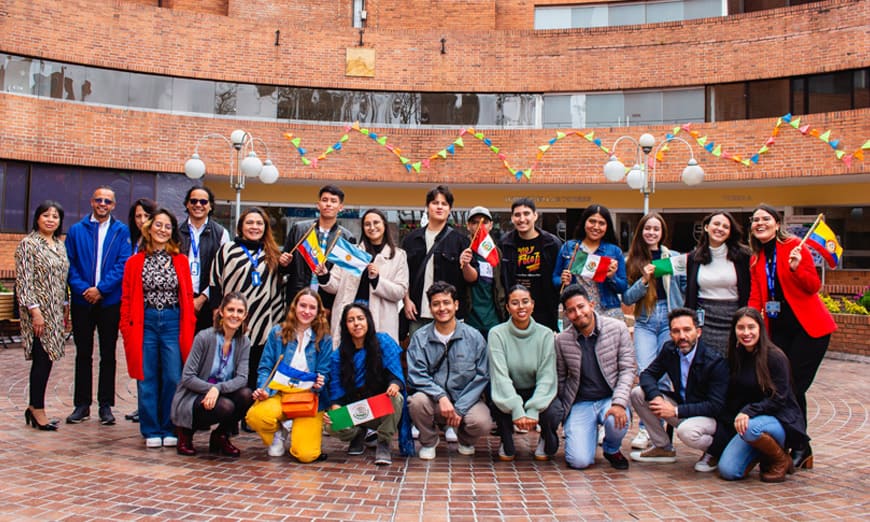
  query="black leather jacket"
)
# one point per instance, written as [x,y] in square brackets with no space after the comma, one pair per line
[298,273]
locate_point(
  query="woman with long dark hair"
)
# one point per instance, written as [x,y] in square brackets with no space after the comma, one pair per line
[717,277]
[761,416]
[41,270]
[157,323]
[366,363]
[785,288]
[595,235]
[140,212]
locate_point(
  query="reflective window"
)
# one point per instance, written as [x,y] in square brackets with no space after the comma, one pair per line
[693,9]
[626,14]
[13,184]
[605,110]
[225,98]
[557,111]
[260,101]
[862,89]
[643,108]
[105,86]
[16,75]
[664,12]
[683,106]
[768,98]
[594,16]
[195,96]
[830,92]
[150,91]
[552,17]
[727,102]
[616,14]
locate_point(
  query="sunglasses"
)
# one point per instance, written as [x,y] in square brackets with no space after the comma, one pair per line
[194,201]
[103,201]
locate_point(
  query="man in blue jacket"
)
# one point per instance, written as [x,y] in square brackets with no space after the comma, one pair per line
[98,247]
[700,382]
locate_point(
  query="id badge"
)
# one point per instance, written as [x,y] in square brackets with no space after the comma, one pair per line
[485,270]
[194,268]
[772,309]
[255,279]
[701,313]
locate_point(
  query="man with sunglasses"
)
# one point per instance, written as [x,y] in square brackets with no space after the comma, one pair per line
[98,247]
[201,238]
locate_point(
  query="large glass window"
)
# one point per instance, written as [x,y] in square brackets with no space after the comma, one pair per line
[616,14]
[557,111]
[105,86]
[13,196]
[664,12]
[605,110]
[767,98]
[195,96]
[150,91]
[16,76]
[830,92]
[727,102]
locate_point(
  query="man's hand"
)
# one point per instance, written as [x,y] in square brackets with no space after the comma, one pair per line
[465,258]
[198,301]
[663,409]
[92,295]
[285,258]
[453,419]
[620,417]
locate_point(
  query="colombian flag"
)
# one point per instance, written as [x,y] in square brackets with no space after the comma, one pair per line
[311,251]
[823,240]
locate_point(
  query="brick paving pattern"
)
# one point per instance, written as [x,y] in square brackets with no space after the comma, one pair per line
[93,472]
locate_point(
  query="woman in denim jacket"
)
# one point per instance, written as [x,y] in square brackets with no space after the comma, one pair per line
[594,235]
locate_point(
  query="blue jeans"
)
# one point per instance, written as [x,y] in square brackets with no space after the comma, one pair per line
[581,432]
[738,453]
[161,366]
[651,332]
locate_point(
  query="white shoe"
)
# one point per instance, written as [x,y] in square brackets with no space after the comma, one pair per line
[468,451]
[426,453]
[170,442]
[600,434]
[540,454]
[415,433]
[153,442]
[706,464]
[450,435]
[277,448]
[641,440]
[504,457]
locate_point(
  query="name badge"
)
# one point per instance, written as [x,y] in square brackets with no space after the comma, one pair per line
[255,279]
[485,270]
[194,268]
[772,309]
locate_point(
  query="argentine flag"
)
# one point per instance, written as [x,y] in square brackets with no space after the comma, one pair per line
[349,257]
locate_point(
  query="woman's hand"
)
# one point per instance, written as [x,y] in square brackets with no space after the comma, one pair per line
[285,258]
[648,272]
[741,422]
[392,390]
[566,277]
[526,423]
[259,394]
[318,383]
[210,398]
[326,420]
[321,270]
[794,258]
[373,271]
[611,270]
[37,321]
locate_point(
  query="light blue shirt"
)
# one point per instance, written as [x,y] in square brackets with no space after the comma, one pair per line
[685,364]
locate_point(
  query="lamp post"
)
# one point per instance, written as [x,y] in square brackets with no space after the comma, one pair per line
[639,176]
[241,144]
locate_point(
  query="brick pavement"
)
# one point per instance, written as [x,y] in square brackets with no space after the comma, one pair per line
[93,472]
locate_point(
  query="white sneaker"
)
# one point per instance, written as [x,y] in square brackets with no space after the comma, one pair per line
[415,433]
[153,442]
[600,434]
[706,464]
[170,442]
[641,440]
[468,451]
[277,448]
[426,453]
[450,434]
[504,457]
[540,454]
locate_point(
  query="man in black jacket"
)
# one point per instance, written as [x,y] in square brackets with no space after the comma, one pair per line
[699,376]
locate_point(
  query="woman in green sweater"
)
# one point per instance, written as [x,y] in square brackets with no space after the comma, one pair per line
[522,366]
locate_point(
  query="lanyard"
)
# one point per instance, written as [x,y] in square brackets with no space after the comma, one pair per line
[255,276]
[770,268]
[194,248]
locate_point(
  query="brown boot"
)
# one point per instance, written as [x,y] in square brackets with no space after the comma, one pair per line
[219,442]
[185,442]
[775,461]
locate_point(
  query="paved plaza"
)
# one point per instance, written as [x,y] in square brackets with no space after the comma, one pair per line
[93,472]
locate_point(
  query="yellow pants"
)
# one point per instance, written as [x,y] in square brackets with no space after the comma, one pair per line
[265,418]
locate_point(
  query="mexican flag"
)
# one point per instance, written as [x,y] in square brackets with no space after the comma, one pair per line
[484,246]
[359,412]
[675,265]
[590,266]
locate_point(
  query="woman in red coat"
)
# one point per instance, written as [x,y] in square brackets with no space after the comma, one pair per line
[785,288]
[157,323]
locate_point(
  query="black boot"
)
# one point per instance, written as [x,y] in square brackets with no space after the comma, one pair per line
[802,457]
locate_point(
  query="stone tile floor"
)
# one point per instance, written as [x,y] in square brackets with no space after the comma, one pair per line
[93,472]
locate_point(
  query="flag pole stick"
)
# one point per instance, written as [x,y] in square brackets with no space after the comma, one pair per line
[274,369]
[303,237]
[332,244]
[810,231]
[570,263]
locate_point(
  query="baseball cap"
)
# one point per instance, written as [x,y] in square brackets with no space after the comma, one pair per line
[478,211]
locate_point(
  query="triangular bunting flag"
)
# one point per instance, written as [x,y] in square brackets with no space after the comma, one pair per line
[478,135]
[425,163]
[355,125]
[459,142]
[787,118]
[364,131]
[487,142]
[717,151]
[502,156]
[840,154]
[763,149]
[590,136]
[834,143]
[382,140]
[796,123]
[866,145]
[826,136]
[494,149]
[306,161]
[408,167]
[301,151]
[847,160]
[745,162]
[337,146]
[709,146]
[804,129]
[754,158]
[451,149]
[416,166]
[403,159]
[770,141]
[560,135]
[344,138]
[296,142]
[702,140]
[544,148]
[442,153]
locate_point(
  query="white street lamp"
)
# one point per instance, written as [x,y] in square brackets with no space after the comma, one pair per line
[242,144]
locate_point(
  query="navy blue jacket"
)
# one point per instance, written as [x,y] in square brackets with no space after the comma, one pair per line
[706,385]
[81,248]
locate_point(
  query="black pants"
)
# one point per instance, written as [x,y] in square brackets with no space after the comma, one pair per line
[805,354]
[505,423]
[85,319]
[550,419]
[229,409]
[205,317]
[40,369]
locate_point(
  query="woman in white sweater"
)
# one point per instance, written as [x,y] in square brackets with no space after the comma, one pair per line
[382,286]
[522,367]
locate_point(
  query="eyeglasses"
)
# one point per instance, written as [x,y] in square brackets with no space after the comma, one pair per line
[161,226]
[195,201]
[103,201]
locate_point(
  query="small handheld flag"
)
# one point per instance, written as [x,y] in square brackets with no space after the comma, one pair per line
[349,257]
[359,412]
[590,266]
[287,377]
[311,252]
[823,240]
[484,246]
[675,265]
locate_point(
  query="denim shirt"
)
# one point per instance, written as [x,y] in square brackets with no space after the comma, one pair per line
[608,290]
[675,286]
[318,356]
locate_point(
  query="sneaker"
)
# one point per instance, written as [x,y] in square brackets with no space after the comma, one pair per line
[106,417]
[170,442]
[641,440]
[468,451]
[706,463]
[415,433]
[504,457]
[382,454]
[357,444]
[600,434]
[540,453]
[654,454]
[426,453]
[79,414]
[153,442]
[450,435]
[276,449]
[617,460]
[371,439]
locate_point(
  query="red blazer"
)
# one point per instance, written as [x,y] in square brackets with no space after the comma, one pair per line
[801,288]
[132,323]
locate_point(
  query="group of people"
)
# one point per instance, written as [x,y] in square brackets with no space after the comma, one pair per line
[206,321]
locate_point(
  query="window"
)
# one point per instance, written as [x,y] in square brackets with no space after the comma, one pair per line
[13,196]
[150,91]
[195,96]
[830,92]
[616,14]
[727,102]
[768,98]
[557,111]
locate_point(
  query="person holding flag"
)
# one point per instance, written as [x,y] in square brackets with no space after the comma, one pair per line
[785,289]
[594,260]
[481,269]
[302,346]
[376,274]
[655,289]
[366,372]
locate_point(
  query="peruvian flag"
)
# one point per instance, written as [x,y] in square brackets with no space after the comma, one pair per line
[483,244]
[359,412]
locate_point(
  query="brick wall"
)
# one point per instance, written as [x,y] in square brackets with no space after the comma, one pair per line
[803,39]
[852,335]
[461,15]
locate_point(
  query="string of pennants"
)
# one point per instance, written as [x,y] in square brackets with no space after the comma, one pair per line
[466,134]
